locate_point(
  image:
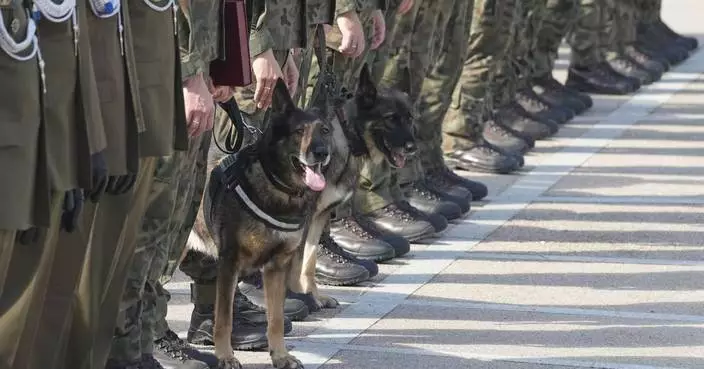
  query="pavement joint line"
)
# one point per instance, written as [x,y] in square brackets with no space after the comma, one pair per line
[651,118]
[520,194]
[304,347]
[555,310]
[617,200]
[578,259]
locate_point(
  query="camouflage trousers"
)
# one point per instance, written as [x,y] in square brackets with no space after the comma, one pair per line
[648,11]
[585,37]
[480,75]
[413,53]
[620,26]
[560,16]
[175,193]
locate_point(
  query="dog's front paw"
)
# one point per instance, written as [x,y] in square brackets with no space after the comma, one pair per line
[285,361]
[229,363]
[326,302]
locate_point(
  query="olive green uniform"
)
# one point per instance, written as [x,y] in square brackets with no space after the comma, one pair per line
[72,130]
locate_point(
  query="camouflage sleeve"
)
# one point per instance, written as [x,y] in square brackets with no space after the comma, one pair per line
[260,39]
[363,5]
[344,6]
[198,22]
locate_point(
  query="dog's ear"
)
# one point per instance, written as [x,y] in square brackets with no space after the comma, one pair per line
[366,90]
[281,102]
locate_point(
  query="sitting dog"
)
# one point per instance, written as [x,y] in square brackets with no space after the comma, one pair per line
[374,125]
[255,214]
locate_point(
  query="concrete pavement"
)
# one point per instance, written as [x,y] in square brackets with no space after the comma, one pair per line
[593,257]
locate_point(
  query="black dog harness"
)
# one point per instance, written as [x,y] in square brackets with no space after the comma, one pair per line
[228,179]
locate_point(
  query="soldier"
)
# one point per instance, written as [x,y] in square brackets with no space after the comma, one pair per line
[23,269]
[559,17]
[73,133]
[472,138]
[589,72]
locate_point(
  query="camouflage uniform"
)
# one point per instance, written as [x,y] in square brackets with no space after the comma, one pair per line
[412,47]
[619,19]
[585,38]
[648,11]
[482,74]
[134,334]
[560,15]
[281,28]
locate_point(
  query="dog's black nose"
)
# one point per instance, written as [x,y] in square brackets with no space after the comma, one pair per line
[320,153]
[410,148]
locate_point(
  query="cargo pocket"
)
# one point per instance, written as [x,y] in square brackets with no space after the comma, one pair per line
[20,95]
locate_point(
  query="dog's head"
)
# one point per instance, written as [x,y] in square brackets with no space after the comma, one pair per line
[387,121]
[298,142]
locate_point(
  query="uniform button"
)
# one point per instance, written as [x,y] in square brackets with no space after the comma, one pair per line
[15,25]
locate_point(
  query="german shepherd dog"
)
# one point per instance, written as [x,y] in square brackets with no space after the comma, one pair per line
[254,216]
[375,125]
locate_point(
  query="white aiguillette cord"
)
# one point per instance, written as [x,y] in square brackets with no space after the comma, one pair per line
[14,48]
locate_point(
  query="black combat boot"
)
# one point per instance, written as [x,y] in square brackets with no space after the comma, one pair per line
[447,191]
[505,138]
[647,62]
[628,68]
[597,79]
[171,351]
[429,202]
[394,220]
[651,41]
[535,105]
[438,221]
[514,116]
[484,157]
[248,325]
[689,43]
[336,267]
[358,223]
[554,92]
[252,286]
[364,244]
[443,177]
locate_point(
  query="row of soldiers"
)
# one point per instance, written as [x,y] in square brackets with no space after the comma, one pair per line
[105,138]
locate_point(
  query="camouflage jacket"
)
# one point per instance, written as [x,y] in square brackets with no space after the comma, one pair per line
[343,6]
[320,11]
[277,25]
[198,32]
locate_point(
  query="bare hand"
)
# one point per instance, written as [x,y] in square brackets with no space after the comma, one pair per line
[220,93]
[379,26]
[200,108]
[291,74]
[405,6]
[352,34]
[266,72]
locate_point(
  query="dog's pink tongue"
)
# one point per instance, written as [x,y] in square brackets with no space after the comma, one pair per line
[315,181]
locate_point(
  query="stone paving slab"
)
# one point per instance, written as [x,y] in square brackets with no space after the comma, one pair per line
[660,289]
[529,335]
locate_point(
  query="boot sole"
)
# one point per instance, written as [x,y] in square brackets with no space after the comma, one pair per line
[376,258]
[299,315]
[456,163]
[329,281]
[247,346]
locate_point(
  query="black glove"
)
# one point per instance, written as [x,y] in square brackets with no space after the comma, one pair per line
[120,185]
[100,177]
[73,205]
[28,236]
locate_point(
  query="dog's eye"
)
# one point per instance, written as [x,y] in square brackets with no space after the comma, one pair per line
[299,131]
[325,130]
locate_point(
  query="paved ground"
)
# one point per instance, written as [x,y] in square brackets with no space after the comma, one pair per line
[593,257]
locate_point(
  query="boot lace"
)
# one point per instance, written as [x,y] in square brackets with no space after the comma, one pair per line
[353,226]
[173,346]
[531,102]
[498,129]
[330,248]
[423,192]
[397,213]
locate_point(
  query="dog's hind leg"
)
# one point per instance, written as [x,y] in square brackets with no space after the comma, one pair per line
[309,260]
[225,294]
[275,293]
